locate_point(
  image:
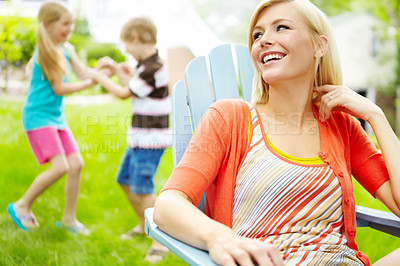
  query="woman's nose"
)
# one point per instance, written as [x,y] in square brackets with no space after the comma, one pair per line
[266,40]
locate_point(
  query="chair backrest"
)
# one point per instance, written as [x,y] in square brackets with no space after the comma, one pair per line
[227,74]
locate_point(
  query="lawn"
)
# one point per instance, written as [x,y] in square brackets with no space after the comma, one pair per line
[100,132]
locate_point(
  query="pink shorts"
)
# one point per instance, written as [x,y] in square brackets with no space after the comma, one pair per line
[47,142]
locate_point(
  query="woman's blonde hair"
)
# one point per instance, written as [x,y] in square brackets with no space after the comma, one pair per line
[327,68]
[143,27]
[50,59]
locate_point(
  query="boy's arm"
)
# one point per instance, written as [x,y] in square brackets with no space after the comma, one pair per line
[124,73]
[122,92]
[121,70]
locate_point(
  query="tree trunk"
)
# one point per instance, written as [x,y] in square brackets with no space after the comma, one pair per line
[6,67]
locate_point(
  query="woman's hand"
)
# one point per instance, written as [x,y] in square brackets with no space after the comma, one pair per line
[342,98]
[231,249]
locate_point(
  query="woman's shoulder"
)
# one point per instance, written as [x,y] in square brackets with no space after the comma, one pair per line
[231,111]
[231,105]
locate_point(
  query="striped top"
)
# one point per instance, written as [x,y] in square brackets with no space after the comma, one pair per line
[294,205]
[151,106]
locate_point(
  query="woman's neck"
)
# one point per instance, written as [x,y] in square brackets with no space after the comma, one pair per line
[289,102]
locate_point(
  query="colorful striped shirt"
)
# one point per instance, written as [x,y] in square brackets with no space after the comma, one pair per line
[291,203]
[151,106]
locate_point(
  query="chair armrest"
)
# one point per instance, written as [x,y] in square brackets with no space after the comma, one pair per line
[190,254]
[380,220]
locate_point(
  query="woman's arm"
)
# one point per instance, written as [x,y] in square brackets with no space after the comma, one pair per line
[344,99]
[175,214]
[389,192]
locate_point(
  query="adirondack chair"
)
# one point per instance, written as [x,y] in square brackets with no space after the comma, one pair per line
[231,75]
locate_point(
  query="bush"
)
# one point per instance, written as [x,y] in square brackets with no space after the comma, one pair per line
[82,41]
[97,50]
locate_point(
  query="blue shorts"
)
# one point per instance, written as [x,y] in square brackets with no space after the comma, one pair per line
[137,169]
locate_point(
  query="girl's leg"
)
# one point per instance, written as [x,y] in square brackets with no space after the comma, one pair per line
[71,190]
[59,166]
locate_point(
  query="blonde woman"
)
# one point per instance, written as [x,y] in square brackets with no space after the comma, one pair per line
[43,117]
[279,188]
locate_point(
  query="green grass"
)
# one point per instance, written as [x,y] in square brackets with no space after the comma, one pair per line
[103,207]
[100,132]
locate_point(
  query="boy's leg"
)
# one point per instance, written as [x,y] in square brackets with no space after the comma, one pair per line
[139,203]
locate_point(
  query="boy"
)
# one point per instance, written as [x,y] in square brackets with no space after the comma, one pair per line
[148,135]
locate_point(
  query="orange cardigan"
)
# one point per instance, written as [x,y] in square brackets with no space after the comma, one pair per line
[217,148]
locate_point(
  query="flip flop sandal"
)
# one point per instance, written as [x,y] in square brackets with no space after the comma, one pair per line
[17,218]
[156,255]
[77,229]
[131,234]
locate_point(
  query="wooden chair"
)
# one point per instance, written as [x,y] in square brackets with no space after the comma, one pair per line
[231,76]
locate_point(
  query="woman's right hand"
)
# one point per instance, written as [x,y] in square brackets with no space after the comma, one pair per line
[231,249]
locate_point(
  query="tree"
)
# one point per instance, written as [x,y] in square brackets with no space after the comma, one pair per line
[17,42]
[388,11]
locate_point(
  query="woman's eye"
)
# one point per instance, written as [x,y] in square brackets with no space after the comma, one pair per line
[257,35]
[282,27]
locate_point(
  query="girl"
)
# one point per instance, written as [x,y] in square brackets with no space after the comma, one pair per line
[279,189]
[43,117]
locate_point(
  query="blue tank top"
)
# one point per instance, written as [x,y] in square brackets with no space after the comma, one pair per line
[42,106]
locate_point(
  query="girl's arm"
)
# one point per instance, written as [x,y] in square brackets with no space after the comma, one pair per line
[175,214]
[342,98]
[121,70]
[62,88]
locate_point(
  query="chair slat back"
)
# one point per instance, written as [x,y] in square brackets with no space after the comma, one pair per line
[245,71]
[188,106]
[223,73]
[198,88]
[181,122]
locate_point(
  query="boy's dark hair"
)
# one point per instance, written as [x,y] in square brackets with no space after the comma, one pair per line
[143,26]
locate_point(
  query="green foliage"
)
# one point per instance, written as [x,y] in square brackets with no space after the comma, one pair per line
[17,38]
[92,50]
[97,50]
[332,8]
[81,27]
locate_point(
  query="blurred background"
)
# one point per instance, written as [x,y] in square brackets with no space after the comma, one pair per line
[367,34]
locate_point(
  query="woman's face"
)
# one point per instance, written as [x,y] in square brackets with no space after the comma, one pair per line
[282,48]
[59,30]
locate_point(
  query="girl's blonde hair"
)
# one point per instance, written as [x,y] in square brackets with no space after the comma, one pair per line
[327,68]
[50,59]
[144,27]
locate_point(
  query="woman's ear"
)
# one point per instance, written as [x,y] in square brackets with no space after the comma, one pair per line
[322,46]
